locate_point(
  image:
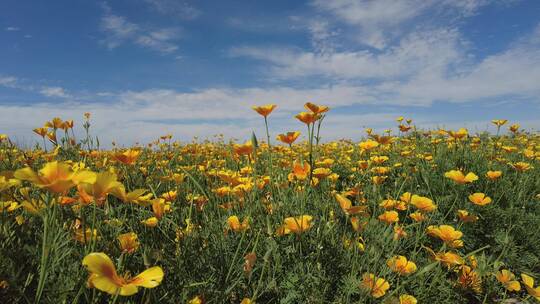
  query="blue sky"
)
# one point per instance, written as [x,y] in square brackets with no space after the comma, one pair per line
[145,68]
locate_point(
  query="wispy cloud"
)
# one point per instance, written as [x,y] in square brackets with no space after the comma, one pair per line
[12,29]
[376,23]
[54,92]
[8,81]
[176,8]
[119,30]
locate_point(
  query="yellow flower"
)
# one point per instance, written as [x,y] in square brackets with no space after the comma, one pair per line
[243,149]
[86,236]
[389,217]
[407,299]
[295,225]
[247,301]
[321,173]
[368,145]
[105,183]
[514,128]
[499,122]
[460,178]
[393,204]
[265,110]
[521,166]
[479,199]
[461,133]
[316,108]
[401,265]
[377,287]
[8,182]
[417,216]
[422,203]
[507,278]
[151,222]
[55,176]
[447,234]
[289,137]
[235,225]
[447,258]
[196,300]
[493,175]
[129,242]
[128,157]
[103,276]
[377,180]
[528,282]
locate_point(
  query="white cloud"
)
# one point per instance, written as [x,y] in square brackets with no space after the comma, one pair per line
[54,92]
[119,31]
[418,51]
[378,21]
[12,29]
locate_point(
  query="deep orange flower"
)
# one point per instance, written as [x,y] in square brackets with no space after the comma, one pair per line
[307,117]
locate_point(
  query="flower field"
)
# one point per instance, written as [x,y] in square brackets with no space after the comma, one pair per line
[403,216]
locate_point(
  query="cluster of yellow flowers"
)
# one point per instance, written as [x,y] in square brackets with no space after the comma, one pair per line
[367,180]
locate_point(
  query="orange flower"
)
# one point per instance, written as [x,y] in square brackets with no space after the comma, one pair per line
[377,287]
[460,178]
[347,207]
[128,157]
[447,234]
[401,265]
[244,149]
[41,131]
[417,216]
[307,117]
[389,217]
[423,204]
[300,171]
[129,242]
[265,110]
[316,108]
[448,258]
[295,225]
[465,217]
[479,199]
[493,175]
[289,137]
